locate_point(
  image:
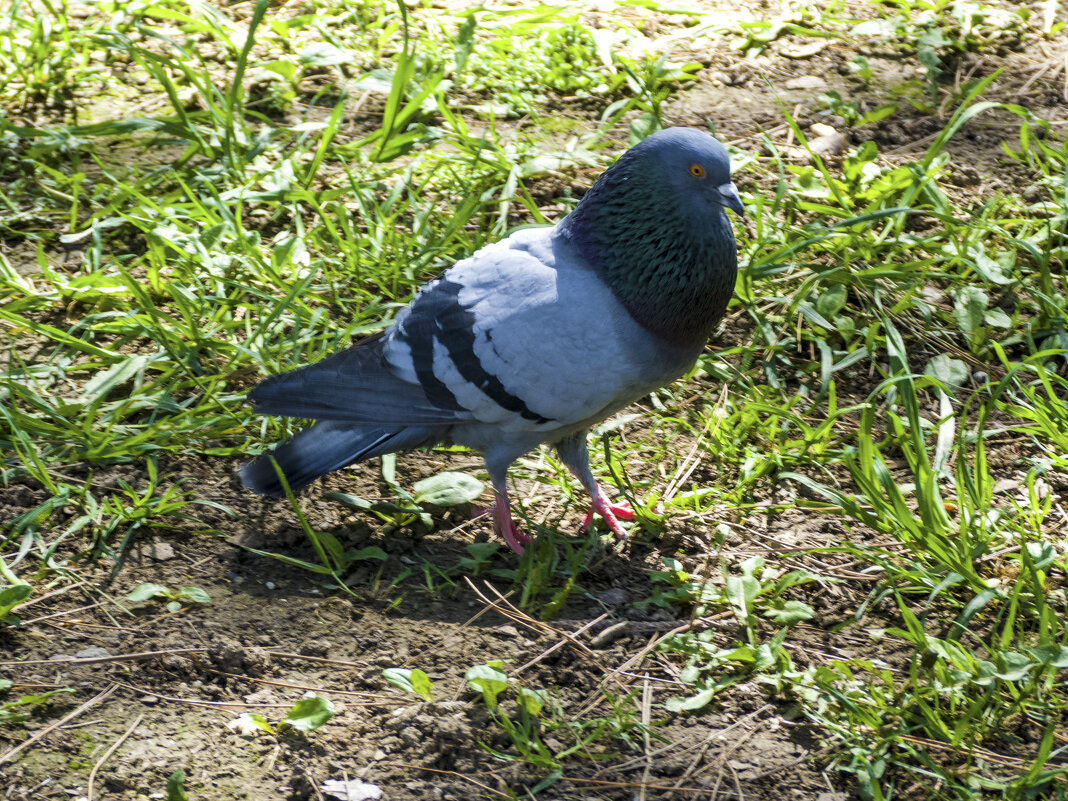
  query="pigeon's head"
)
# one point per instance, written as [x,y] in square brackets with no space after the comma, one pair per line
[654,227]
[689,163]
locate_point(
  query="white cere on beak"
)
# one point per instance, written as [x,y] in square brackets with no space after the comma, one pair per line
[731,199]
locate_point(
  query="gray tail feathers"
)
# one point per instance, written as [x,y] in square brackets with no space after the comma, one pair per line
[324,447]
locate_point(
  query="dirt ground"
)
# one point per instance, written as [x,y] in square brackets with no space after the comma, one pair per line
[154,691]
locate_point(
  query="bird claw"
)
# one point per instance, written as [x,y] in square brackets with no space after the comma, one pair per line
[517,539]
[504,525]
[612,514]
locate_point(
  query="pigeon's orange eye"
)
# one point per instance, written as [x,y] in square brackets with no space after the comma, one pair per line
[697,171]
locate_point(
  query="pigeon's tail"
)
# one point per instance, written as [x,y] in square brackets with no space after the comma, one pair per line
[324,447]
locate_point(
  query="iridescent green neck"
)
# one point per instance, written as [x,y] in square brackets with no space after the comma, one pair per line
[672,268]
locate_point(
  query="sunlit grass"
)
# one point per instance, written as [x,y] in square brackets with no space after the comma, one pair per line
[894,331]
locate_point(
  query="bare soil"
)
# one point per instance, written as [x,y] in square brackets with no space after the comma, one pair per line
[160,688]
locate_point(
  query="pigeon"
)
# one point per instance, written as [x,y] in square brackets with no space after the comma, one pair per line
[534,338]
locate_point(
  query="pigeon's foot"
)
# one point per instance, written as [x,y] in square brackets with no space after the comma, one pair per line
[506,527]
[611,512]
[503,523]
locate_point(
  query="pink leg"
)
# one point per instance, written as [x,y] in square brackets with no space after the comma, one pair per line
[573,453]
[611,512]
[502,520]
[506,527]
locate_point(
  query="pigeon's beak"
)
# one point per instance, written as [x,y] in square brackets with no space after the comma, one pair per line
[731,199]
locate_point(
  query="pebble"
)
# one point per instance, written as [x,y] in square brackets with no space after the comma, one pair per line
[1006,485]
[96,652]
[803,49]
[615,596]
[806,82]
[829,145]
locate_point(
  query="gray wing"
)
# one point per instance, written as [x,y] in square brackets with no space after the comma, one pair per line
[356,385]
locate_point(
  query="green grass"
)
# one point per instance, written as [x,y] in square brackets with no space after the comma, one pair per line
[897,331]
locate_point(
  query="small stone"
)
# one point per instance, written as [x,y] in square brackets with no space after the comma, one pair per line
[806,82]
[95,652]
[161,551]
[1034,193]
[614,596]
[270,585]
[933,295]
[379,755]
[262,696]
[508,630]
[803,49]
[1006,485]
[831,145]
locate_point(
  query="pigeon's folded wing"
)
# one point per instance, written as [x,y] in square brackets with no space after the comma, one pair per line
[355,386]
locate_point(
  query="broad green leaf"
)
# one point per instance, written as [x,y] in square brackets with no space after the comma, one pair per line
[119,373]
[249,723]
[996,318]
[1052,655]
[702,697]
[401,678]
[993,269]
[195,594]
[969,306]
[147,591]
[310,713]
[532,700]
[324,54]
[422,685]
[1014,666]
[482,551]
[487,680]
[379,81]
[447,489]
[951,372]
[877,115]
[283,67]
[698,701]
[12,596]
[362,554]
[791,612]
[832,300]
[410,681]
